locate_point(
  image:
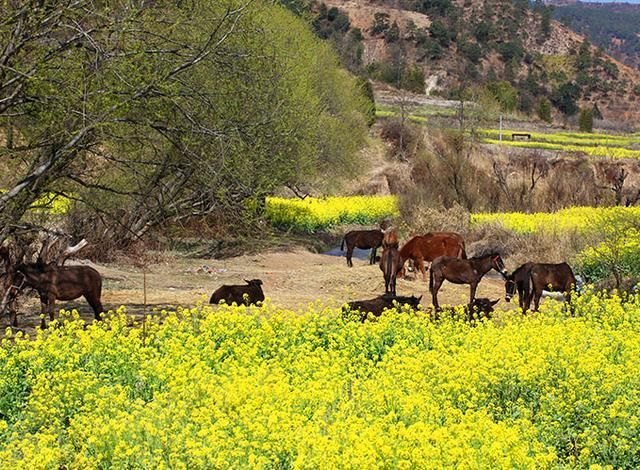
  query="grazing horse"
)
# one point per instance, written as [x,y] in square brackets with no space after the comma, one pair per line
[363,239]
[550,277]
[379,304]
[462,271]
[61,283]
[428,247]
[518,281]
[390,261]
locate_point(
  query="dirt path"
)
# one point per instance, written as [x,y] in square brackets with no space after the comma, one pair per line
[291,280]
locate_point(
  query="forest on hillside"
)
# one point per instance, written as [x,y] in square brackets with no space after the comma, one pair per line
[614,27]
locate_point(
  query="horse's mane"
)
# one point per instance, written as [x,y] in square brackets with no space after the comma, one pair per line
[486,254]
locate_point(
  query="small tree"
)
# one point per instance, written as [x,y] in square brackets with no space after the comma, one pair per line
[585,120]
[543,109]
[615,250]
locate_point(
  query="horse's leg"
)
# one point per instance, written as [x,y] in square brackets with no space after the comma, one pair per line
[537,295]
[43,309]
[349,255]
[95,304]
[372,258]
[472,292]
[50,306]
[420,264]
[437,282]
[14,313]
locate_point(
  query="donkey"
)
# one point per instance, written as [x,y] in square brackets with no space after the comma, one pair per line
[61,283]
[363,239]
[390,262]
[462,271]
[518,281]
[551,277]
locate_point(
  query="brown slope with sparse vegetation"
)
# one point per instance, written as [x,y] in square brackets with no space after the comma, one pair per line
[516,49]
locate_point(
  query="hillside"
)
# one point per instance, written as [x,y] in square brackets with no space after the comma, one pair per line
[517,51]
[613,26]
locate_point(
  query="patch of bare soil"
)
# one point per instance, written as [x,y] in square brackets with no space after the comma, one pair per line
[291,279]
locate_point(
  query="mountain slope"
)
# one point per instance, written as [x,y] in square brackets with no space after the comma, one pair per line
[613,26]
[514,48]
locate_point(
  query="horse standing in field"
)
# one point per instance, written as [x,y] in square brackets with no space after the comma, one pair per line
[428,247]
[363,239]
[61,283]
[518,281]
[462,271]
[551,277]
[390,261]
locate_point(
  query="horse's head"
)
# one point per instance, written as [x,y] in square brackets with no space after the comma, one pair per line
[254,282]
[509,287]
[498,265]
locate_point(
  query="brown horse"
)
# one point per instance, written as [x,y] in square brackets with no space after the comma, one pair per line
[363,239]
[518,281]
[390,262]
[428,247]
[61,283]
[462,271]
[552,278]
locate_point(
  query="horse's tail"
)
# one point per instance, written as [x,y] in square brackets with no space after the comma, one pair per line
[388,269]
[342,245]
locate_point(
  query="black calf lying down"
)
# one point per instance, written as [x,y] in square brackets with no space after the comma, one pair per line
[379,304]
[247,295]
[482,307]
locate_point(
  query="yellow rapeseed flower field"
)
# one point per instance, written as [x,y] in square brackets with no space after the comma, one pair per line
[312,214]
[573,218]
[268,388]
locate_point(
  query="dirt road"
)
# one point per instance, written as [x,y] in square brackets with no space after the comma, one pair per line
[291,280]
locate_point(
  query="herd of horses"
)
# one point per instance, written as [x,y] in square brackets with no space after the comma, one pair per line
[445,251]
[447,255]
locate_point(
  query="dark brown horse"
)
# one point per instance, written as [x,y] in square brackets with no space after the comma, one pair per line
[363,239]
[390,261]
[428,247]
[462,271]
[61,283]
[379,304]
[518,281]
[552,278]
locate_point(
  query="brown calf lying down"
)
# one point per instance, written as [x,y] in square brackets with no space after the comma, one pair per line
[379,304]
[248,294]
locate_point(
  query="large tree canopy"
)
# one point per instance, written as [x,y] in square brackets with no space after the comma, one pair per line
[163,110]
